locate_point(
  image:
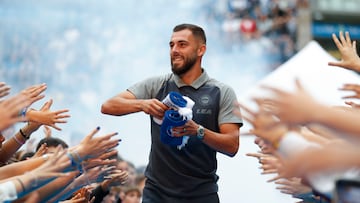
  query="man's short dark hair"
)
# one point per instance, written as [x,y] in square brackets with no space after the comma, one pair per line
[197,31]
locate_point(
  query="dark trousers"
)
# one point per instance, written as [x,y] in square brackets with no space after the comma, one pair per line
[154,196]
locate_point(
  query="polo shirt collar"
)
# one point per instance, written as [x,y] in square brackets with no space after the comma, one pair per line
[196,84]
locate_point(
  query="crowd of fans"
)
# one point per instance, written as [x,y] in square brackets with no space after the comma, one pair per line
[91,171]
[311,147]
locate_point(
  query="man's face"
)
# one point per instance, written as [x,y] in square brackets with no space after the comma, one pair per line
[183,51]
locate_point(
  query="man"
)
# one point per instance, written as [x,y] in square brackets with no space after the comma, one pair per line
[187,174]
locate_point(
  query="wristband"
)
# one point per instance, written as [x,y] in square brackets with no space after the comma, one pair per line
[75,160]
[71,157]
[22,184]
[23,134]
[18,141]
[34,181]
[78,158]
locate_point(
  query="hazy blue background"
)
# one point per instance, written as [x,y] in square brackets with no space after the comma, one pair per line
[87,51]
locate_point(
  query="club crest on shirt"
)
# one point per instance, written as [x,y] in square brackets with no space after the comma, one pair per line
[205,100]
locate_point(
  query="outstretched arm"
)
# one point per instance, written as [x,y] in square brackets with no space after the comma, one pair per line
[126,103]
[227,141]
[39,176]
[14,143]
[336,156]
[308,110]
[36,119]
[12,109]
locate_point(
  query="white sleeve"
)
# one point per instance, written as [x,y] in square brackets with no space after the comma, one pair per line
[8,191]
[293,143]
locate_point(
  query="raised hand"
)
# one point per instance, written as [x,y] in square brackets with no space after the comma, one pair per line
[349,57]
[269,163]
[9,110]
[80,197]
[118,177]
[292,186]
[260,119]
[33,93]
[287,104]
[85,192]
[47,131]
[46,117]
[4,89]
[96,174]
[265,125]
[52,167]
[265,146]
[92,147]
[355,88]
[335,156]
[41,151]
[93,162]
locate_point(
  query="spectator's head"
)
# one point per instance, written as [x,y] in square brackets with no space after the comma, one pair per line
[51,143]
[140,181]
[26,155]
[130,168]
[113,196]
[131,194]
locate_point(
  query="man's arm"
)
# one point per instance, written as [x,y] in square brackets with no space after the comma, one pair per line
[227,141]
[126,103]
[121,104]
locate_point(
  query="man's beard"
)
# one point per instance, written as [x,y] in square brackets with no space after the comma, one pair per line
[188,64]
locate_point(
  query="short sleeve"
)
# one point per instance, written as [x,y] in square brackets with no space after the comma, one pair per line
[148,88]
[227,106]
